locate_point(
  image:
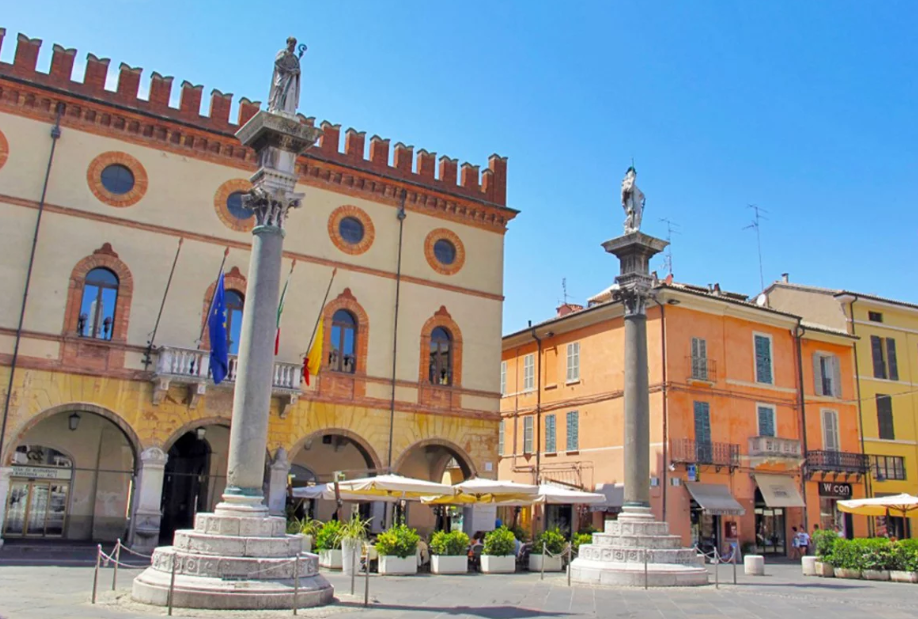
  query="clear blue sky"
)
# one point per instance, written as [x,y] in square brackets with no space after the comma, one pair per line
[807,109]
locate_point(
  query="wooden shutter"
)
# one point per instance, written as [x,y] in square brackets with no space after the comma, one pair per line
[830,430]
[836,377]
[527,435]
[891,359]
[702,422]
[876,349]
[818,383]
[885,418]
[763,360]
[500,439]
[573,431]
[550,434]
[766,421]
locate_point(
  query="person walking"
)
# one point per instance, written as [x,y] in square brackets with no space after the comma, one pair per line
[804,542]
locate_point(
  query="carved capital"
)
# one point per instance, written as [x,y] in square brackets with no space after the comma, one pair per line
[153,457]
[288,401]
[271,207]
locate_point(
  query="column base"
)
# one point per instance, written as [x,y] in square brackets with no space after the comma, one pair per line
[242,505]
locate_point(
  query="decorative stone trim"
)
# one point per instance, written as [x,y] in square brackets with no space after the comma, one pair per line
[224,191]
[232,280]
[440,396]
[334,223]
[344,384]
[94,178]
[436,265]
[4,149]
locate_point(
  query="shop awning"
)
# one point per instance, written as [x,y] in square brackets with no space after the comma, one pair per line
[715,499]
[779,490]
[615,498]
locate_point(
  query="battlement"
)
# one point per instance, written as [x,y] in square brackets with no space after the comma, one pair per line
[420,168]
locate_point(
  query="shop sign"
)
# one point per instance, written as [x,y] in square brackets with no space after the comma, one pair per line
[832,489]
[42,472]
[691,472]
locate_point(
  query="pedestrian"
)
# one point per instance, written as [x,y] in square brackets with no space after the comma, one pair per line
[804,542]
[795,543]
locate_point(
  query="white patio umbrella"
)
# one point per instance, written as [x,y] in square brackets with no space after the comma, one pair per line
[391,486]
[897,505]
[321,491]
[550,494]
[477,490]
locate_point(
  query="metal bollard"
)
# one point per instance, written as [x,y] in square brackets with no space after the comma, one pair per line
[716,571]
[172,582]
[366,585]
[734,564]
[95,576]
[117,560]
[355,565]
[645,568]
[542,577]
[296,583]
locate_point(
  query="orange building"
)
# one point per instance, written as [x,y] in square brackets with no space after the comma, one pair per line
[754,423]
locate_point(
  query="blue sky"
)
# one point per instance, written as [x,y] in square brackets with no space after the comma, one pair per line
[806,109]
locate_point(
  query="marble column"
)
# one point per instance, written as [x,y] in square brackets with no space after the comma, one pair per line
[277,483]
[146,514]
[5,472]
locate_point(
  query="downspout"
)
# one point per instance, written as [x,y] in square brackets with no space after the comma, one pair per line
[799,330]
[665,467]
[55,135]
[868,486]
[398,284]
[538,428]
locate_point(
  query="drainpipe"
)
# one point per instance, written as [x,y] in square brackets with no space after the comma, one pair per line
[868,486]
[538,428]
[55,135]
[665,467]
[799,330]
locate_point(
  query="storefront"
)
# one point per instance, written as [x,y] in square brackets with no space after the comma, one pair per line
[709,506]
[773,496]
[39,493]
[830,517]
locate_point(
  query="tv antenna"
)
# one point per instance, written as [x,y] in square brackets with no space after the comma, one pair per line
[756,225]
[671,228]
[564,289]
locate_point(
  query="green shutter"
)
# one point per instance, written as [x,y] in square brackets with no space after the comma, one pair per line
[766,421]
[891,359]
[876,350]
[573,431]
[763,360]
[550,434]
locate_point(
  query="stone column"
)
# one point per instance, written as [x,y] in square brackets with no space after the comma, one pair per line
[277,484]
[148,493]
[5,472]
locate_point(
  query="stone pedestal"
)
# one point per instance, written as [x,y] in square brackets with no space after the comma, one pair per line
[147,516]
[277,483]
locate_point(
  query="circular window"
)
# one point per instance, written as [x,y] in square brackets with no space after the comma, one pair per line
[234,206]
[444,251]
[351,229]
[117,179]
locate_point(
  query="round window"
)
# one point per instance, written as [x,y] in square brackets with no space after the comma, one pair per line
[117,179]
[234,206]
[445,251]
[351,230]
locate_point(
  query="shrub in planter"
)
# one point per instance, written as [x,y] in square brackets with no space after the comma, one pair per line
[876,558]
[905,561]
[519,533]
[845,558]
[824,540]
[448,552]
[397,550]
[353,533]
[328,545]
[553,542]
[498,555]
[581,538]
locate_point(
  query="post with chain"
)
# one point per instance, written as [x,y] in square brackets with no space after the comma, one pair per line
[117,560]
[95,576]
[355,564]
[171,594]
[366,581]
[570,559]
[542,575]
[735,552]
[716,571]
[296,583]
[645,569]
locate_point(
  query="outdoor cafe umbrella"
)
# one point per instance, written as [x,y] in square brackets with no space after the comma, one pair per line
[550,494]
[391,486]
[897,504]
[477,490]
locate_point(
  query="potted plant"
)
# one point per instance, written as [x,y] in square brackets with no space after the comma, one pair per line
[905,561]
[498,554]
[353,534]
[448,552]
[398,550]
[580,539]
[824,541]
[551,542]
[328,545]
[307,527]
[846,559]
[876,558]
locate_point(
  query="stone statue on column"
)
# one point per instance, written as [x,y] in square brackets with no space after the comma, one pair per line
[632,201]
[285,83]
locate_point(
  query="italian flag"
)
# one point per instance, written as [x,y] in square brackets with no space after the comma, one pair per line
[280,309]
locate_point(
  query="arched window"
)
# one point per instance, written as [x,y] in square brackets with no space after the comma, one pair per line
[343,354]
[441,357]
[97,309]
[234,303]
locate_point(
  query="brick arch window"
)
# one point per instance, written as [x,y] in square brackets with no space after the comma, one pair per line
[99,297]
[441,351]
[4,149]
[234,283]
[346,328]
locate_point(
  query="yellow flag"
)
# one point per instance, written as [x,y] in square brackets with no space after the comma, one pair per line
[313,361]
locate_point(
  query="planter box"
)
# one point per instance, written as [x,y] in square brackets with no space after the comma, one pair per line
[875,574]
[442,564]
[394,566]
[808,565]
[899,576]
[551,564]
[307,543]
[825,570]
[843,572]
[498,565]
[331,559]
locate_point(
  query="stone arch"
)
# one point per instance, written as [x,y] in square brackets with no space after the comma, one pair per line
[104,257]
[232,280]
[466,464]
[441,318]
[347,301]
[364,446]
[191,425]
[80,407]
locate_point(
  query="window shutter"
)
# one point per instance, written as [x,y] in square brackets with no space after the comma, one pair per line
[817,374]
[876,349]
[766,421]
[702,422]
[891,359]
[836,377]
[550,434]
[885,417]
[500,439]
[830,430]
[527,435]
[763,359]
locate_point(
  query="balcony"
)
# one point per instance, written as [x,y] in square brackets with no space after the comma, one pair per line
[702,370]
[691,452]
[190,367]
[773,449]
[845,462]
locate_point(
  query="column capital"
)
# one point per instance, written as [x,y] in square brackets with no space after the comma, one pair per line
[280,462]
[153,457]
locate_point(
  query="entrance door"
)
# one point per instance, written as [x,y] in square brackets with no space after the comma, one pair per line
[185,484]
[769,528]
[36,508]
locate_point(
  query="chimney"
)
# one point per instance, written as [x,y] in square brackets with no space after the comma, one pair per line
[785,277]
[568,308]
[717,289]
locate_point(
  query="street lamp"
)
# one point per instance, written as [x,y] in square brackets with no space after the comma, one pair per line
[200,432]
[74,421]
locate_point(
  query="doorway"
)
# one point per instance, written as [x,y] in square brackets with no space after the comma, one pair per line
[770,531]
[36,508]
[185,484]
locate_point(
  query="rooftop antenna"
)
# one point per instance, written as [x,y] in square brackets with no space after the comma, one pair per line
[564,288]
[668,256]
[756,225]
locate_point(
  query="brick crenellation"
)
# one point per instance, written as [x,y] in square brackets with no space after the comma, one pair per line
[420,167]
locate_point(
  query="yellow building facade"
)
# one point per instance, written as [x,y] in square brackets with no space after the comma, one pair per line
[886,355]
[127,215]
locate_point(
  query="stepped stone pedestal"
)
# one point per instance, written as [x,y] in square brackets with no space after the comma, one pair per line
[233,562]
[616,556]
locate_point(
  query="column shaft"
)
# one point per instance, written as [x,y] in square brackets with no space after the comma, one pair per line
[637,413]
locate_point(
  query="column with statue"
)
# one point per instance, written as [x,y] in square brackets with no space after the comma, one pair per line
[617,556]
[240,557]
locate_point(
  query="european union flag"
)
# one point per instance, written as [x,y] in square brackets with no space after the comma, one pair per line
[216,323]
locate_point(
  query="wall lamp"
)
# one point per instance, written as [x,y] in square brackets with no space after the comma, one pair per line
[200,432]
[74,422]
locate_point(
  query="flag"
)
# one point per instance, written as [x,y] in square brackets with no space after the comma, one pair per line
[313,360]
[216,323]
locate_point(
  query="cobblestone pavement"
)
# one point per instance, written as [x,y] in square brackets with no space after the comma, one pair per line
[36,586]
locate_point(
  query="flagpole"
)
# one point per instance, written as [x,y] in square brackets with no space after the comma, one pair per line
[210,305]
[280,307]
[321,309]
[146,358]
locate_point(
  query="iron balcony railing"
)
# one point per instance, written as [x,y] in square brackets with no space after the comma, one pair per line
[702,368]
[694,452]
[837,462]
